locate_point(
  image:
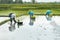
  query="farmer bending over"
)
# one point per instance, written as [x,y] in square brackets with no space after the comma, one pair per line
[48,14]
[12,17]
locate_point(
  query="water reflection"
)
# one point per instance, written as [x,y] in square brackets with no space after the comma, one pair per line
[53,23]
[56,30]
[48,18]
[12,27]
[31,22]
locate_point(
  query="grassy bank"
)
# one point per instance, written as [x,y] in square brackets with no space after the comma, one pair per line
[4,22]
[20,9]
[19,12]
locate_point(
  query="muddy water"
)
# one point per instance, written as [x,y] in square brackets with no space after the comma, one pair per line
[42,29]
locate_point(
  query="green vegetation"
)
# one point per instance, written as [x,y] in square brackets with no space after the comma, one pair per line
[37,12]
[21,9]
[4,22]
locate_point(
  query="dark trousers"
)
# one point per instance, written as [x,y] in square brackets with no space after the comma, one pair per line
[12,19]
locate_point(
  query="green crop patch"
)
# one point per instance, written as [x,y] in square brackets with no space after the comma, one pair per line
[4,22]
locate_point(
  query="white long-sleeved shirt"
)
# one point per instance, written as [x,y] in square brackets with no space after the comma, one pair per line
[13,16]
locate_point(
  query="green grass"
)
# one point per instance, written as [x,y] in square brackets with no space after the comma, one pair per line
[20,9]
[18,13]
[4,22]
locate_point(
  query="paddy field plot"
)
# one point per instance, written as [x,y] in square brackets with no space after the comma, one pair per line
[42,29]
